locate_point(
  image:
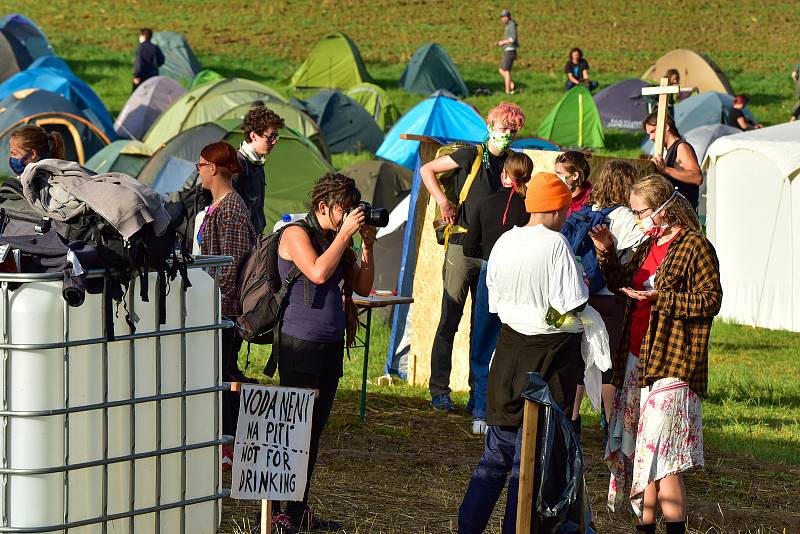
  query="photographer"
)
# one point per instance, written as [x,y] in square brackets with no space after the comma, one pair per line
[316,324]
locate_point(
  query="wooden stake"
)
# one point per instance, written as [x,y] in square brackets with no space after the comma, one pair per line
[266,517]
[527,466]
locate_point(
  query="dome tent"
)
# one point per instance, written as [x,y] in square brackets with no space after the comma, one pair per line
[574,121]
[622,105]
[696,70]
[123,155]
[345,125]
[28,34]
[53,113]
[143,107]
[382,183]
[431,69]
[180,63]
[377,103]
[291,168]
[13,56]
[334,63]
[205,76]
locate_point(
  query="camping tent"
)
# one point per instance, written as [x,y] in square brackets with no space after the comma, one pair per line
[27,33]
[700,110]
[534,143]
[622,106]
[697,70]
[292,167]
[180,63]
[224,99]
[53,113]
[67,85]
[382,183]
[205,76]
[143,107]
[430,69]
[375,100]
[123,155]
[574,121]
[389,248]
[754,223]
[701,138]
[13,56]
[334,63]
[439,117]
[53,62]
[345,125]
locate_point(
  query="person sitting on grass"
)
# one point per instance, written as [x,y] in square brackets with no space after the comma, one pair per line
[737,118]
[577,71]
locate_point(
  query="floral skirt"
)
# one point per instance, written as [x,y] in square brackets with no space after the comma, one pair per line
[669,439]
[622,429]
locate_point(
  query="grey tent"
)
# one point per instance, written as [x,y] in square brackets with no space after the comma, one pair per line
[701,137]
[622,106]
[389,248]
[53,113]
[345,124]
[21,42]
[13,56]
[144,106]
[180,63]
[430,69]
[382,183]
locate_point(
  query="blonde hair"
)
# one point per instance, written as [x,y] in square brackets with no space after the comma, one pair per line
[655,190]
[613,185]
[519,167]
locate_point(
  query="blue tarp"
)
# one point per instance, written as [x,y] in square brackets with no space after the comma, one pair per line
[440,117]
[67,85]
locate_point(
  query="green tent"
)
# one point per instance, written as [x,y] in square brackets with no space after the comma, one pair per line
[377,103]
[180,63]
[226,99]
[205,76]
[123,155]
[334,63]
[292,167]
[574,121]
[430,69]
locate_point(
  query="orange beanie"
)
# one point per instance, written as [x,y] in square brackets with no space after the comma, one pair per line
[546,192]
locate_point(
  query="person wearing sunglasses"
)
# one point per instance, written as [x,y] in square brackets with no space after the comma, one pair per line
[260,126]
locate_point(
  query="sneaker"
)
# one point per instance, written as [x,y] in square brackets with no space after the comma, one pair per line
[443,403]
[479,426]
[311,521]
[282,524]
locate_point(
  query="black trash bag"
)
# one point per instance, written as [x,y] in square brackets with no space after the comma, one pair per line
[560,501]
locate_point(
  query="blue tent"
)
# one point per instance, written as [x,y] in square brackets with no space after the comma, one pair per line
[52,62]
[700,110]
[439,117]
[26,33]
[534,143]
[67,85]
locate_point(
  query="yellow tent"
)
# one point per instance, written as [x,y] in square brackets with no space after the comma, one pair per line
[697,70]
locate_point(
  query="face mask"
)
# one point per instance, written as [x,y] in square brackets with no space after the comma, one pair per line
[500,141]
[571,185]
[18,164]
[142,39]
[648,225]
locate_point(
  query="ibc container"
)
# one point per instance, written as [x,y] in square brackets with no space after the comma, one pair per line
[110,432]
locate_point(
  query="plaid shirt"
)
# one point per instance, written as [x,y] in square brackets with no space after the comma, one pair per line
[689,296]
[228,232]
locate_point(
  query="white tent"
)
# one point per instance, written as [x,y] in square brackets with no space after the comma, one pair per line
[753,219]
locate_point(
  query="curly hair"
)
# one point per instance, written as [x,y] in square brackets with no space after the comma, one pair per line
[655,190]
[335,189]
[259,119]
[575,161]
[613,186]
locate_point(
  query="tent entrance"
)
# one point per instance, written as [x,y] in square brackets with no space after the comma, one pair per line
[73,146]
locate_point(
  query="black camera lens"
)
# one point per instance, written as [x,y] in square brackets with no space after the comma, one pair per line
[378,217]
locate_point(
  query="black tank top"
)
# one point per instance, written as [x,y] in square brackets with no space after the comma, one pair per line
[690,191]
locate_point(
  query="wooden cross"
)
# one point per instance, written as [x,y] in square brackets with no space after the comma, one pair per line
[662,91]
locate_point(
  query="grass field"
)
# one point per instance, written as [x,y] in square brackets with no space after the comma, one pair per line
[406,468]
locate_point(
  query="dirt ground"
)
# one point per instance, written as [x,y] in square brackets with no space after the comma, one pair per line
[406,469]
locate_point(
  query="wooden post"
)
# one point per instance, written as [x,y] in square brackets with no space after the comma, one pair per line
[527,466]
[266,517]
[662,91]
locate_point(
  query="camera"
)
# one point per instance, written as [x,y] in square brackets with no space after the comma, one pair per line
[378,217]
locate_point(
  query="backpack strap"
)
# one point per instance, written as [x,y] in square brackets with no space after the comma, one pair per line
[291,277]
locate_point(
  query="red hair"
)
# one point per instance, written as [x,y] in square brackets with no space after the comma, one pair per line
[740,100]
[222,155]
[506,115]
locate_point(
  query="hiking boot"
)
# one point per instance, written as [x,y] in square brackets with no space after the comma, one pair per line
[312,521]
[479,426]
[443,403]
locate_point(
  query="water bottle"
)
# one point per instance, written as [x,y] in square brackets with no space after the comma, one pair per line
[288,218]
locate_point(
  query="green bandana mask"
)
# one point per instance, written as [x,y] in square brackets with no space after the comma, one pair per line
[500,141]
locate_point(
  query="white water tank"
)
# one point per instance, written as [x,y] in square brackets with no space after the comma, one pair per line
[123,433]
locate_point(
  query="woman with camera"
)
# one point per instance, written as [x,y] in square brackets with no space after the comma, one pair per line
[320,318]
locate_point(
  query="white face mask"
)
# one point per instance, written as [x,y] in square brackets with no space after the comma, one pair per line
[648,225]
[142,39]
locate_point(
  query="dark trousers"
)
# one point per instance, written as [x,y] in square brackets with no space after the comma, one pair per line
[231,343]
[312,365]
[612,309]
[460,277]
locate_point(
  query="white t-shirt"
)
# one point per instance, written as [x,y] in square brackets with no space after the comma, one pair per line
[530,269]
[625,233]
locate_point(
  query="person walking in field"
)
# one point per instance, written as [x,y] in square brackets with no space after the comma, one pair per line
[149,58]
[510,44]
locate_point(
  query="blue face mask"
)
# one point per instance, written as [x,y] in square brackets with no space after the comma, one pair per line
[18,164]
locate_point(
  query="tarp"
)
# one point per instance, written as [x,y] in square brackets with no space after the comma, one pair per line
[382,183]
[696,70]
[377,103]
[574,121]
[27,33]
[334,63]
[205,76]
[123,155]
[345,125]
[67,85]
[180,63]
[292,167]
[53,113]
[621,106]
[753,220]
[143,107]
[431,69]
[440,117]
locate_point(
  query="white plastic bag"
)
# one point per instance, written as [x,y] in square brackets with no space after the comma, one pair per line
[596,353]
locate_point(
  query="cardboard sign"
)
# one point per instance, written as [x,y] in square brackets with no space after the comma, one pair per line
[270,456]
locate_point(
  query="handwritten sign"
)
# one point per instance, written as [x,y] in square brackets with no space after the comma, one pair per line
[270,455]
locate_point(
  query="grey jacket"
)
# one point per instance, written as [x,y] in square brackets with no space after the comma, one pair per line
[63,190]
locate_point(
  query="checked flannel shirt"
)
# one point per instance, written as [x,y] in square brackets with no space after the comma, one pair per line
[689,296]
[228,232]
